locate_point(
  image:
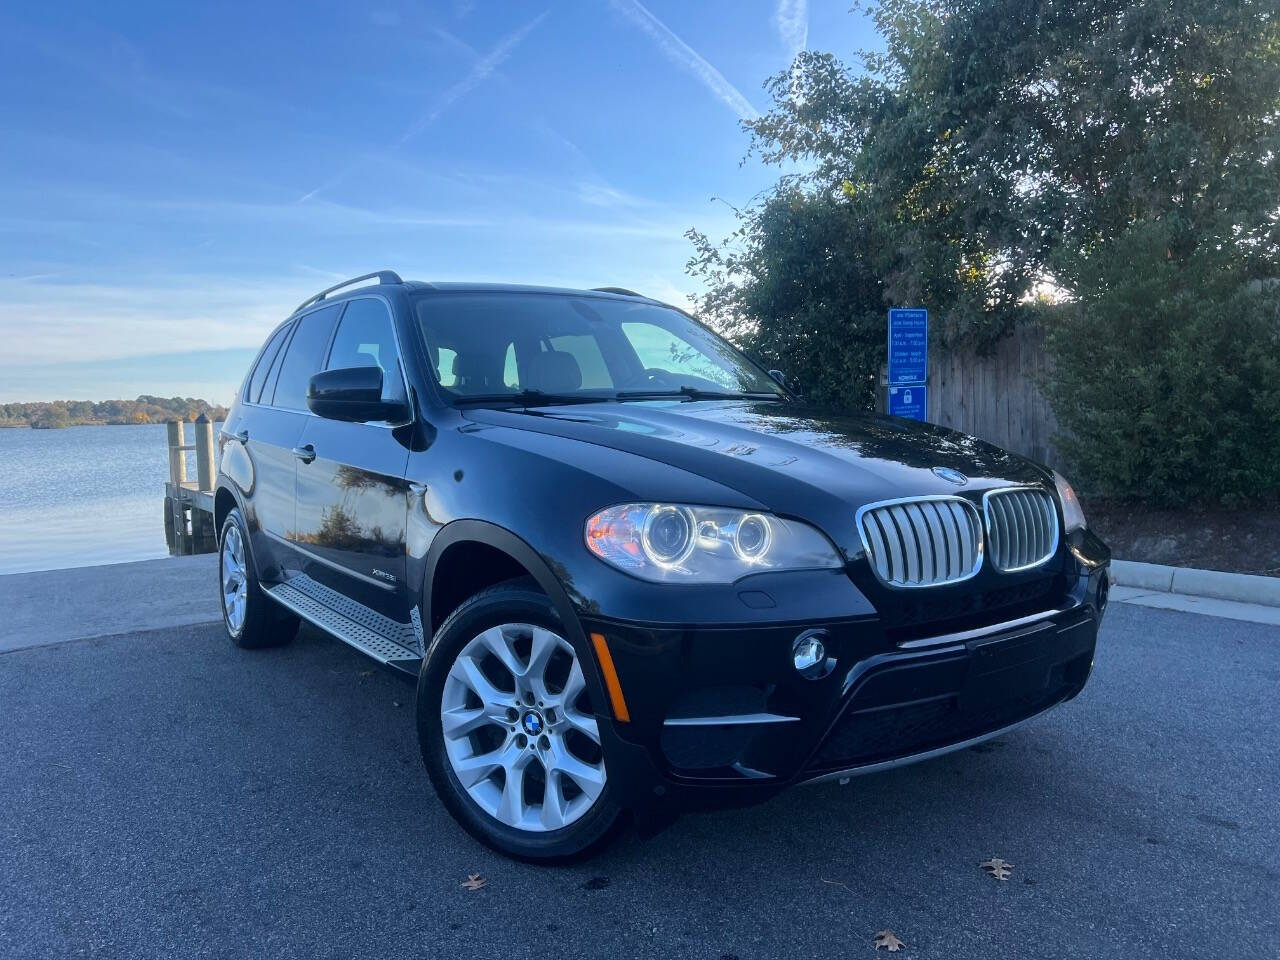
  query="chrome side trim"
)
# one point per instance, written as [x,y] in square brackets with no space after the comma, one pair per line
[729,720]
[331,564]
[918,757]
[991,629]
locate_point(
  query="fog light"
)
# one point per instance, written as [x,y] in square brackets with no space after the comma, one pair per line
[809,654]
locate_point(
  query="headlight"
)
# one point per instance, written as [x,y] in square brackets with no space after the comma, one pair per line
[672,543]
[1072,512]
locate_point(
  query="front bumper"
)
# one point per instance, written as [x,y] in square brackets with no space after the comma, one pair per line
[720,716]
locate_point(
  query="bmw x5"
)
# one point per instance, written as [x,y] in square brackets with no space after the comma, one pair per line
[630,571]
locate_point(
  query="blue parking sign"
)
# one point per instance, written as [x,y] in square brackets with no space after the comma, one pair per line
[908,346]
[908,402]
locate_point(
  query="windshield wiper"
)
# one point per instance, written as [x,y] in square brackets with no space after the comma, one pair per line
[696,393]
[529,398]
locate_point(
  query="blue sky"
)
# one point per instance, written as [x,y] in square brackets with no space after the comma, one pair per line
[175,178]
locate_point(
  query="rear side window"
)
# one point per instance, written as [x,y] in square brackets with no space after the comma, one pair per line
[365,338]
[264,364]
[304,357]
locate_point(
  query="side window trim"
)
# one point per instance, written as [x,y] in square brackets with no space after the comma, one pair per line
[328,345]
[273,374]
[273,371]
[268,385]
[266,357]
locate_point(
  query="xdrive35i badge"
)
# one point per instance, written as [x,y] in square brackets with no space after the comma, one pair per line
[951,476]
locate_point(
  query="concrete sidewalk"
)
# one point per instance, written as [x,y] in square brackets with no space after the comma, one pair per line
[1212,593]
[55,605]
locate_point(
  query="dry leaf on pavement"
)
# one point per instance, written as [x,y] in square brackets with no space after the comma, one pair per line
[888,940]
[473,882]
[997,868]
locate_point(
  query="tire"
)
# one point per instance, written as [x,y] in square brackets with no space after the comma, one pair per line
[563,808]
[252,619]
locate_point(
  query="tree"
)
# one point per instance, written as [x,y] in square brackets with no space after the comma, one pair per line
[804,291]
[1167,382]
[1000,151]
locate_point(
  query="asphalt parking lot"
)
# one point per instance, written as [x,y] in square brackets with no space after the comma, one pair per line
[166,795]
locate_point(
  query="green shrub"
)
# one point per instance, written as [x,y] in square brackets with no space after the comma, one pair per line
[1167,376]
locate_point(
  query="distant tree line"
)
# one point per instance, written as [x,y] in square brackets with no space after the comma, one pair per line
[70,413]
[1109,169]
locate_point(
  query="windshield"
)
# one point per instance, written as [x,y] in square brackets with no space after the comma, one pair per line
[521,345]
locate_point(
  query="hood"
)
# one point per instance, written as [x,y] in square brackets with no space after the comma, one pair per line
[788,457]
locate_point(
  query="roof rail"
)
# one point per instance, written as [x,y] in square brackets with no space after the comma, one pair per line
[621,291]
[384,276]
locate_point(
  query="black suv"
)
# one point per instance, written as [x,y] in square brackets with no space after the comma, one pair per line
[630,570]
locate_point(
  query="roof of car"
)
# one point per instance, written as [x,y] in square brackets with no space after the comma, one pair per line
[384,278]
[457,286]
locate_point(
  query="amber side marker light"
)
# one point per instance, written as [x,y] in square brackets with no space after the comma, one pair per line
[610,678]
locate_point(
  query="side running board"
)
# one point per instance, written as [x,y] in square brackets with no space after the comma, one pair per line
[397,644]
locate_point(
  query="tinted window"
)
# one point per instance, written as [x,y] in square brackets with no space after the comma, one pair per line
[303,358]
[264,365]
[365,338]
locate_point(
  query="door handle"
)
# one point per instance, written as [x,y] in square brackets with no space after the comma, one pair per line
[306,453]
[242,436]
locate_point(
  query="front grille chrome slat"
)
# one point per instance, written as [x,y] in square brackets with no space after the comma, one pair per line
[880,554]
[1022,528]
[937,542]
[922,542]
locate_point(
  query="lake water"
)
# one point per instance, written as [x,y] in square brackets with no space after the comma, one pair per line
[83,495]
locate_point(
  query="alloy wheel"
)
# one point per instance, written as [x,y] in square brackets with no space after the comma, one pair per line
[518,729]
[235,586]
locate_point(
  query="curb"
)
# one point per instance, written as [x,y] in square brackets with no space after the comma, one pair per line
[1240,587]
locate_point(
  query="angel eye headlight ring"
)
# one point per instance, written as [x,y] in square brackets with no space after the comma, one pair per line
[668,535]
[753,537]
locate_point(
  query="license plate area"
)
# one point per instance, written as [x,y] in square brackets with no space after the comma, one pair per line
[1009,667]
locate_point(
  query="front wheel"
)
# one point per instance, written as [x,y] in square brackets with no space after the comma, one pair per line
[507,729]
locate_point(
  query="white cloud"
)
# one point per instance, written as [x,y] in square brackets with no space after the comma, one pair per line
[683,55]
[105,321]
[792,22]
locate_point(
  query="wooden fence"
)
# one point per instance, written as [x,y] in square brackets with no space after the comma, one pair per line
[996,397]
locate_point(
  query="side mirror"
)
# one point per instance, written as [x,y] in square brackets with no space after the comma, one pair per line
[779,376]
[353,394]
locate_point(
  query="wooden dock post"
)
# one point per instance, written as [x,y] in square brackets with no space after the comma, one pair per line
[176,430]
[188,506]
[204,452]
